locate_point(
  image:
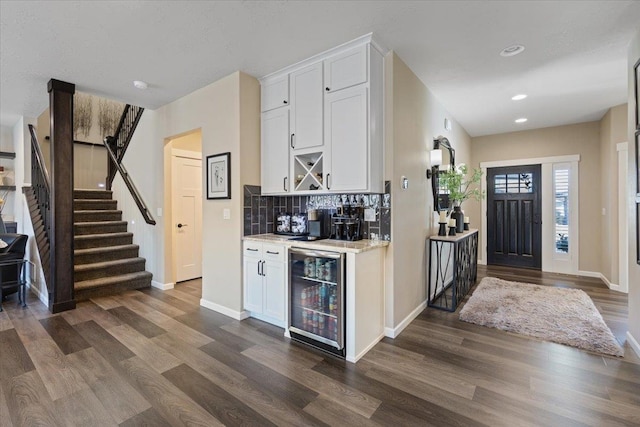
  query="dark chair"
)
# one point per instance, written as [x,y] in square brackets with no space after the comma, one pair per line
[11,267]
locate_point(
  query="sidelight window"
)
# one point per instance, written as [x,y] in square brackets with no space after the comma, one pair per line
[561,206]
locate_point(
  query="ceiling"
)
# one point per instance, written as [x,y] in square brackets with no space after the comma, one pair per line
[573,67]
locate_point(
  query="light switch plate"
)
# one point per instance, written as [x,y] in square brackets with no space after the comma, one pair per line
[404,182]
[369,214]
[226,213]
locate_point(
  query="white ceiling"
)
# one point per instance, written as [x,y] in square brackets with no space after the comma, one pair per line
[573,68]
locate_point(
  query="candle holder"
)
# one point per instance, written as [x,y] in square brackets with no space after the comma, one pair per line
[466,226]
[452,231]
[443,229]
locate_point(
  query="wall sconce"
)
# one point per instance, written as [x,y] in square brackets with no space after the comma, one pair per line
[435,159]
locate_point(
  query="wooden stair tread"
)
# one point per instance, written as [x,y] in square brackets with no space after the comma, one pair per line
[96,211]
[111,280]
[105,264]
[98,223]
[105,249]
[103,235]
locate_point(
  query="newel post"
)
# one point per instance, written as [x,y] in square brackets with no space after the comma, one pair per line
[61,237]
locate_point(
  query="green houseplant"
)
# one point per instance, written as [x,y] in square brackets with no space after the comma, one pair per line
[460,187]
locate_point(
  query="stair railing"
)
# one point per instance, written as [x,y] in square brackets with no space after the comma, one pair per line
[41,185]
[144,210]
[122,137]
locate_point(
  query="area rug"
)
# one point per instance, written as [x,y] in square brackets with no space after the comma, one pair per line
[565,316]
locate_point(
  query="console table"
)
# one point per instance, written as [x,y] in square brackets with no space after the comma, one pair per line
[453,268]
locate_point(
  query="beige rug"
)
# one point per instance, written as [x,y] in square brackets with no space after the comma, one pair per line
[565,316]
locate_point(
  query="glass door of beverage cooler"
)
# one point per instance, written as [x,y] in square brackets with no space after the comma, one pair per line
[316,299]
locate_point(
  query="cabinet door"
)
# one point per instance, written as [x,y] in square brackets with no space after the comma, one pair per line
[306,107]
[274,93]
[253,288]
[274,290]
[275,152]
[346,130]
[346,69]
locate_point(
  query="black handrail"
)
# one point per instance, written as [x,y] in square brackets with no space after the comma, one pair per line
[108,143]
[122,137]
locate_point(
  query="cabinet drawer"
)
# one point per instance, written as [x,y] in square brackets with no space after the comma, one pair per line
[252,249]
[346,69]
[276,253]
[274,93]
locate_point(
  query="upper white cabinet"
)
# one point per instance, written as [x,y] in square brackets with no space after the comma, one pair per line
[346,69]
[275,151]
[306,107]
[335,138]
[274,93]
[346,115]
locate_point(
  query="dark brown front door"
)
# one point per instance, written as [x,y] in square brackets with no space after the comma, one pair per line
[514,226]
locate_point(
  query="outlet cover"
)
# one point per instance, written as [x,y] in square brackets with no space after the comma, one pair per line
[369,214]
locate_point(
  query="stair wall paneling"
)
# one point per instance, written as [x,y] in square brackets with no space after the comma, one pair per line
[35,274]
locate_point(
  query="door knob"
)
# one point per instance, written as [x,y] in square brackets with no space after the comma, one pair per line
[180,225]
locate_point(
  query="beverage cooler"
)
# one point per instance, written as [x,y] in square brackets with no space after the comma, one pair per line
[316,299]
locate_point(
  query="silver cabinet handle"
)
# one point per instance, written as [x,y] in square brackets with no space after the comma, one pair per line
[273,253]
[252,250]
[328,185]
[284,183]
[293,145]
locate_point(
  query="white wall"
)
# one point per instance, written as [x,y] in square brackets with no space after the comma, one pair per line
[414,118]
[227,125]
[634,268]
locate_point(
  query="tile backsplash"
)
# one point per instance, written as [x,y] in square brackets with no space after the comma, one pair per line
[260,211]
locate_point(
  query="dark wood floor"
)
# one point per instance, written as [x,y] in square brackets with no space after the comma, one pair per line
[156,358]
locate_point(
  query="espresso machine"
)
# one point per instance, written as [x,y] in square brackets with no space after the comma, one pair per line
[347,223]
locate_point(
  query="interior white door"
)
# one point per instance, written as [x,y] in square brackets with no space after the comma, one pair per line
[187,217]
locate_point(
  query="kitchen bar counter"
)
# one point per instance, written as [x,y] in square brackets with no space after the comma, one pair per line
[342,246]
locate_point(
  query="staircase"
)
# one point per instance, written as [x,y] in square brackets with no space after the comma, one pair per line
[105,259]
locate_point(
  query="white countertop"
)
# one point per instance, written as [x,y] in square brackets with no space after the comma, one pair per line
[321,245]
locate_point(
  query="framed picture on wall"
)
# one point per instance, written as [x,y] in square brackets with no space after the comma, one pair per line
[219,176]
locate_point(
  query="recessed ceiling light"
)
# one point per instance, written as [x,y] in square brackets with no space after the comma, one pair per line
[140,84]
[512,50]
[519,97]
[521,120]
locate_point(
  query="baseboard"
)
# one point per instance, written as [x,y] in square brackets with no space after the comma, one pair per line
[482,262]
[42,296]
[589,273]
[162,286]
[600,276]
[366,349]
[238,315]
[394,332]
[633,343]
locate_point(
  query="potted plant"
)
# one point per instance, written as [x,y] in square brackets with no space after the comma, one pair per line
[460,188]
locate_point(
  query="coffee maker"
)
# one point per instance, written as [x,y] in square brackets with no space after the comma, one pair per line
[347,223]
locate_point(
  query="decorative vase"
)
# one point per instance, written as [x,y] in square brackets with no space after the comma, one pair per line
[458,215]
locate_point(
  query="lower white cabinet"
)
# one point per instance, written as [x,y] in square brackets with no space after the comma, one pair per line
[265,281]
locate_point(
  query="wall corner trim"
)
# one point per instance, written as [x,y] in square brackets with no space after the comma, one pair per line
[237,315]
[633,343]
[394,332]
[598,275]
[482,262]
[365,350]
[162,286]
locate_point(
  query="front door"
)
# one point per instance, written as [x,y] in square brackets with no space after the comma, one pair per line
[514,226]
[187,216]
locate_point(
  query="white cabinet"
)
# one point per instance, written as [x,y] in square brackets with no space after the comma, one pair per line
[274,93]
[346,133]
[306,107]
[264,276]
[275,152]
[335,141]
[346,69]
